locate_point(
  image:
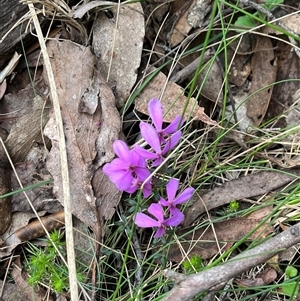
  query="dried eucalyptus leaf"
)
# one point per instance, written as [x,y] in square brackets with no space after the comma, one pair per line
[122,41]
[28,129]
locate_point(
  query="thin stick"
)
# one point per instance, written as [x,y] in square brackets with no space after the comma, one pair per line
[186,287]
[63,160]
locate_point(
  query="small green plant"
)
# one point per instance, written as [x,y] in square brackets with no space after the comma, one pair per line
[247,22]
[193,265]
[45,265]
[231,209]
[290,288]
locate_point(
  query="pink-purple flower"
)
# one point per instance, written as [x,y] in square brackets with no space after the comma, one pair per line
[128,171]
[144,221]
[156,113]
[159,152]
[172,200]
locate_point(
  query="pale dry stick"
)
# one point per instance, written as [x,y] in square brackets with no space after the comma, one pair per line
[63,160]
[186,287]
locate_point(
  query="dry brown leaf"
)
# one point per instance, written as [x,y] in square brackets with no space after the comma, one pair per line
[290,21]
[33,171]
[191,15]
[264,70]
[10,240]
[34,229]
[288,70]
[240,68]
[181,28]
[245,187]
[266,277]
[5,187]
[81,129]
[25,117]
[11,290]
[202,242]
[173,101]
[108,196]
[118,43]
[33,293]
[28,129]
[87,135]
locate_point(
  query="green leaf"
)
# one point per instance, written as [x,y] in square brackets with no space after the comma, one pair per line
[245,22]
[291,272]
[290,288]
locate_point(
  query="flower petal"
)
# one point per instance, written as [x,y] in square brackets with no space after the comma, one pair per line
[156,113]
[184,196]
[164,202]
[171,188]
[157,211]
[147,189]
[151,136]
[144,221]
[145,153]
[160,232]
[142,173]
[175,125]
[122,181]
[172,142]
[175,220]
[158,161]
[136,159]
[174,210]
[122,151]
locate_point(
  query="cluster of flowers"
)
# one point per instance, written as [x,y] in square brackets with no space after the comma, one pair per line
[130,170]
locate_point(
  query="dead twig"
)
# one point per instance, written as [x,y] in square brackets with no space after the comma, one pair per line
[186,287]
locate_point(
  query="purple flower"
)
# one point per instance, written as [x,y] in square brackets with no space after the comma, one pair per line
[151,136]
[128,171]
[144,221]
[173,201]
[156,114]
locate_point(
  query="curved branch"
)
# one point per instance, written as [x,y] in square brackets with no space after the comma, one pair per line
[186,287]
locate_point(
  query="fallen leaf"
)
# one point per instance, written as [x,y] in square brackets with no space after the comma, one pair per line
[10,240]
[108,196]
[89,136]
[264,70]
[5,187]
[240,68]
[36,293]
[266,277]
[34,229]
[211,81]
[290,21]
[288,69]
[181,27]
[118,42]
[28,129]
[173,101]
[81,129]
[202,242]
[11,290]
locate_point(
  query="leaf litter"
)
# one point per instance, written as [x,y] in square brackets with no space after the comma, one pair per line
[90,94]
